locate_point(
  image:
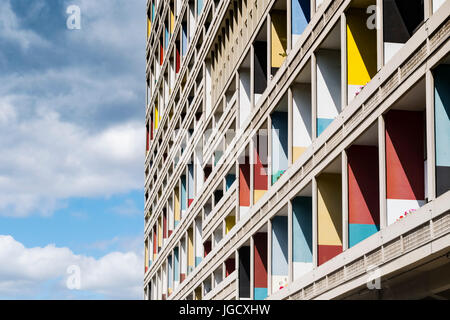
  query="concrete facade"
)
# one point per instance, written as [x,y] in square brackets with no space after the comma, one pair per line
[297,149]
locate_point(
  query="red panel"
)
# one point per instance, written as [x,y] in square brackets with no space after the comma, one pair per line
[260,173]
[182,277]
[207,247]
[326,253]
[260,260]
[177,66]
[155,244]
[190,201]
[148,139]
[363,191]
[244,183]
[164,226]
[230,266]
[161,54]
[405,155]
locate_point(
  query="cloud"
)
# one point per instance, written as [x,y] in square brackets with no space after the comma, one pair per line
[11,30]
[117,275]
[71,113]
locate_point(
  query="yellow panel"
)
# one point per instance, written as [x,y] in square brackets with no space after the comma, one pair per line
[172,21]
[361,49]
[297,152]
[329,209]
[149,28]
[278,38]
[190,248]
[159,233]
[177,205]
[156,117]
[230,221]
[257,194]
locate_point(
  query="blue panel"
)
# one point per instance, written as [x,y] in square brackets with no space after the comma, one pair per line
[442,110]
[302,229]
[198,260]
[301,12]
[359,232]
[229,179]
[176,264]
[280,246]
[166,43]
[260,293]
[199,7]
[322,124]
[279,144]
[183,193]
[184,38]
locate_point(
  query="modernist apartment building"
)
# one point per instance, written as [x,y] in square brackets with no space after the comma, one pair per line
[297,149]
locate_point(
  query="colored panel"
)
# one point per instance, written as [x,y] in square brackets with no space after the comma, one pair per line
[183,193]
[230,221]
[361,51]
[230,266]
[166,37]
[260,70]
[156,120]
[405,184]
[278,38]
[190,187]
[198,242]
[442,129]
[169,274]
[260,265]
[260,167]
[176,264]
[190,251]
[322,124]
[301,15]
[244,272]
[164,226]
[229,180]
[244,184]
[149,28]
[161,53]
[178,60]
[328,87]
[301,119]
[260,293]
[199,7]
[279,252]
[207,247]
[329,215]
[359,232]
[184,38]
[279,144]
[177,209]
[172,21]
[327,252]
[363,192]
[160,234]
[302,246]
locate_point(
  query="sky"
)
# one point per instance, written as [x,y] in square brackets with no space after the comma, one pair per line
[72,147]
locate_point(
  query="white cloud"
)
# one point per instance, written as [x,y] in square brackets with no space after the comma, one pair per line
[116,275]
[10,29]
[52,160]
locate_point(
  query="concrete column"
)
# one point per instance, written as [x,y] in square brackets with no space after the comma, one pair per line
[382,173]
[430,136]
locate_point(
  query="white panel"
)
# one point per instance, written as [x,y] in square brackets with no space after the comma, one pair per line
[301,116]
[300,268]
[328,84]
[437,4]
[398,207]
[278,282]
[244,97]
[390,49]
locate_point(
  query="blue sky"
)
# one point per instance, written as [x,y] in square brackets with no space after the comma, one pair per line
[72,141]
